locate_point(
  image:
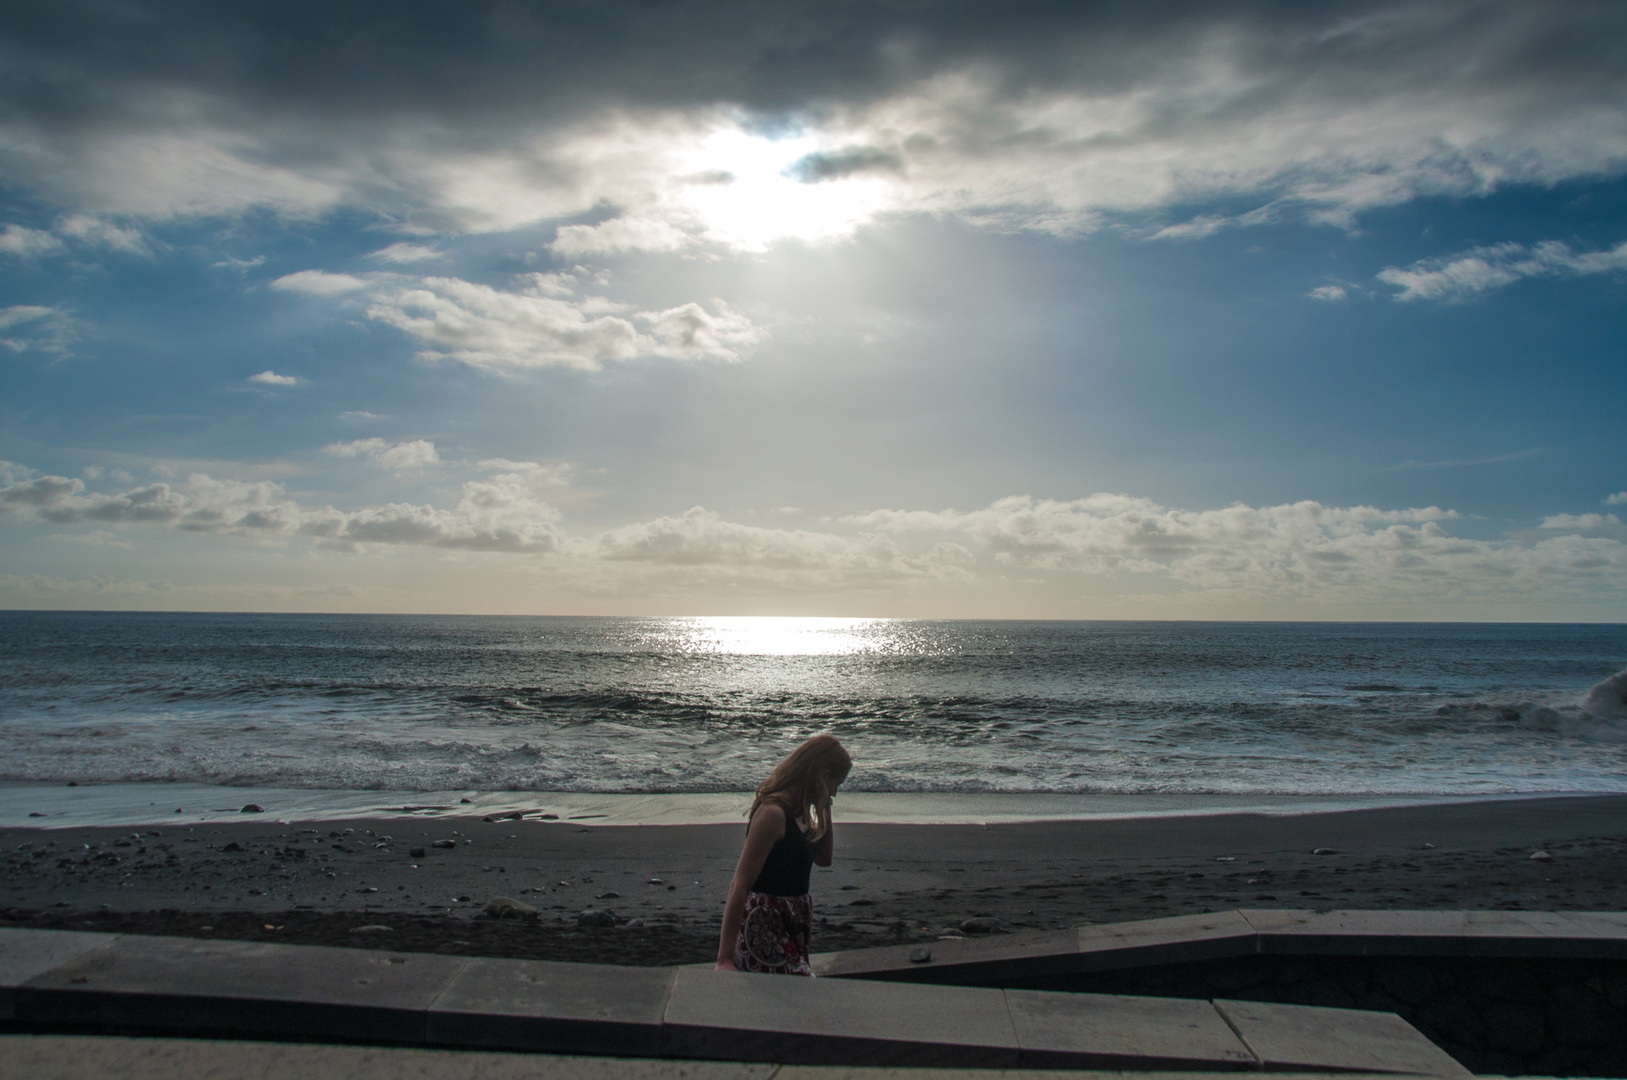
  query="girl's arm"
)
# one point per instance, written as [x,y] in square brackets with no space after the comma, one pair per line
[767,829]
[825,850]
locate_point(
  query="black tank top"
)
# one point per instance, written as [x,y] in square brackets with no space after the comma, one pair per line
[790,861]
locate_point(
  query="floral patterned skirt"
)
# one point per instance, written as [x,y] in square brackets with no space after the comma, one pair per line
[774,934]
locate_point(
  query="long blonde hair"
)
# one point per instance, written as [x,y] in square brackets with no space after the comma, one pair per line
[794,783]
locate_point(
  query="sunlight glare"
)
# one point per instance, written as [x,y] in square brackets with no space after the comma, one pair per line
[761,203]
[784,636]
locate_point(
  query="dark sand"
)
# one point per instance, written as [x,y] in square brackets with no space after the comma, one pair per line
[891,883]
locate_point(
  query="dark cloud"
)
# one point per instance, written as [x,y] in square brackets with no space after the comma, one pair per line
[306,106]
[73,61]
[812,168]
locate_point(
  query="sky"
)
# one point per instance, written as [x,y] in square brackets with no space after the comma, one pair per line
[920,309]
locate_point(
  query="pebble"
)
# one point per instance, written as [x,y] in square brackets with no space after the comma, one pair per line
[417,852]
[597,917]
[1541,855]
[608,896]
[982,924]
[504,907]
[252,808]
[1325,851]
[445,844]
[370,928]
[920,955]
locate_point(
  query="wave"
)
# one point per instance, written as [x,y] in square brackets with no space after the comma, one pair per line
[1600,717]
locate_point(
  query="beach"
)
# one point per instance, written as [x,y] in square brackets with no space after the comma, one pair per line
[652,894]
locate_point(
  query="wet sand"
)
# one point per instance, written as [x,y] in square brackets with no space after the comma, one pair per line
[319,883]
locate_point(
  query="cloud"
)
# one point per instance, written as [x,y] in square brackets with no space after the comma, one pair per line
[1482,269]
[700,538]
[23,242]
[242,266]
[271,378]
[536,327]
[1295,553]
[1327,292]
[847,161]
[36,328]
[361,416]
[1196,229]
[414,454]
[1618,499]
[404,252]
[318,283]
[1579,521]
[534,473]
[617,236]
[489,516]
[1454,463]
[92,230]
[490,118]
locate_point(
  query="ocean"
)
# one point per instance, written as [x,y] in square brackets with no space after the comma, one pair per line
[351,707]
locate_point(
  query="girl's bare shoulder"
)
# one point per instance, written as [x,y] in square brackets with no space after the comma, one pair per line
[771,815]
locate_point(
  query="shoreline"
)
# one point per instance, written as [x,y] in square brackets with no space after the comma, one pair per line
[51,804]
[892,883]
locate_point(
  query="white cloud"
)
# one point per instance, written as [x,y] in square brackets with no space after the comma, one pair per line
[1618,499]
[242,266]
[89,229]
[33,327]
[534,473]
[413,454]
[404,252]
[1327,292]
[1195,229]
[319,283]
[179,168]
[271,378]
[700,538]
[360,416]
[617,236]
[690,332]
[538,327]
[1302,553]
[1482,269]
[1579,521]
[490,516]
[24,242]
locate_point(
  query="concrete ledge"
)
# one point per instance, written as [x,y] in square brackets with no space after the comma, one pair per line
[1101,1031]
[1439,933]
[1299,1038]
[826,1022]
[27,954]
[563,1008]
[82,1057]
[178,985]
[1192,938]
[181,984]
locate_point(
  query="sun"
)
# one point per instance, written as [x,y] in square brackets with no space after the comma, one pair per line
[738,185]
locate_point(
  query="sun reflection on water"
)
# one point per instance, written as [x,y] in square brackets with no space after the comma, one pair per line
[766,635]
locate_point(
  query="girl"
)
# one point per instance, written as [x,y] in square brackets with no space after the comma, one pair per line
[769,914]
